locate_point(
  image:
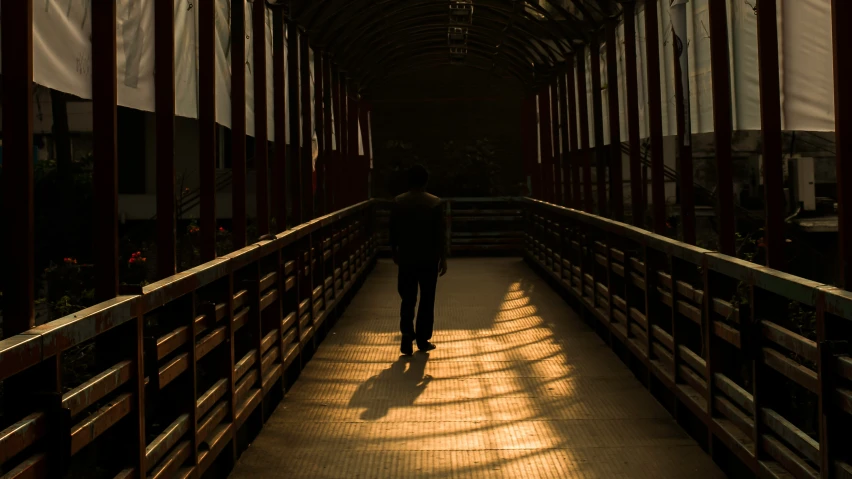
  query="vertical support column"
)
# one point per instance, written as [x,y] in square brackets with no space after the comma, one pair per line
[105,123]
[588,201]
[529,125]
[722,124]
[17,186]
[770,125]
[337,170]
[597,109]
[164,101]
[684,147]
[328,160]
[556,160]
[525,146]
[544,132]
[238,122]
[616,177]
[345,164]
[295,122]
[655,116]
[307,130]
[261,136]
[572,133]
[363,114]
[566,145]
[841,14]
[279,168]
[352,144]
[319,121]
[636,186]
[207,138]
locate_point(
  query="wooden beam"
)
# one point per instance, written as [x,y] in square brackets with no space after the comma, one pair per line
[238,122]
[655,116]
[279,178]
[722,124]
[636,185]
[261,135]
[295,121]
[208,150]
[616,182]
[17,186]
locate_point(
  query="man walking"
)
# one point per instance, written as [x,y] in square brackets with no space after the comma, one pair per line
[419,249]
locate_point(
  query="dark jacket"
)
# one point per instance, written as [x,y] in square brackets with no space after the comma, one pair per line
[417,229]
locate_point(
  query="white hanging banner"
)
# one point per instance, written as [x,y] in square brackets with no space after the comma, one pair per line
[678,17]
[186,58]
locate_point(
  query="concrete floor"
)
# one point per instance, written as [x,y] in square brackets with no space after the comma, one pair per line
[518,387]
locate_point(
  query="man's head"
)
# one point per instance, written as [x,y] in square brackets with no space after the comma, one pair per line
[418,177]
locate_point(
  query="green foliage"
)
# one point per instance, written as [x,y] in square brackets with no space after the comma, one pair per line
[67,288]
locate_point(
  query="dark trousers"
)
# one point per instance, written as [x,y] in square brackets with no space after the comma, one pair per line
[410,277]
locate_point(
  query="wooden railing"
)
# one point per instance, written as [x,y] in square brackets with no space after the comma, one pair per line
[474,225]
[176,379]
[759,357]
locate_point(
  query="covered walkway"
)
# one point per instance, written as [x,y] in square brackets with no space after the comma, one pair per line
[520,386]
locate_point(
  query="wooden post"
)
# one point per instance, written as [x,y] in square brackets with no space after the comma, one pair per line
[294,117]
[105,123]
[343,185]
[616,181]
[279,177]
[684,147]
[722,124]
[544,132]
[261,135]
[841,14]
[164,100]
[572,133]
[655,116]
[338,172]
[636,185]
[17,187]
[319,121]
[589,202]
[566,145]
[770,126]
[238,122]
[556,159]
[307,130]
[363,114]
[207,137]
[352,135]
[597,110]
[328,161]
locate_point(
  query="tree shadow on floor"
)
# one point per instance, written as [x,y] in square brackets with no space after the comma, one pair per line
[396,386]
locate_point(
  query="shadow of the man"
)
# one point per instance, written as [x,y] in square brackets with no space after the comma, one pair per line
[393,387]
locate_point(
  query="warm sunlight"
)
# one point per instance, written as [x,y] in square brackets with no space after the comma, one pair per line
[517,387]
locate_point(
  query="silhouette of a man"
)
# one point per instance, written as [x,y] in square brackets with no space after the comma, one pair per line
[419,248]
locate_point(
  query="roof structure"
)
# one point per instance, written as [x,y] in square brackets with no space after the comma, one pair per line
[525,39]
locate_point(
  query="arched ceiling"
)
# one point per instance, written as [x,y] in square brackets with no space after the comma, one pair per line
[527,40]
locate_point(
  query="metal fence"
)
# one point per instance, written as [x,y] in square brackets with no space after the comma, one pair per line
[760,358]
[169,382]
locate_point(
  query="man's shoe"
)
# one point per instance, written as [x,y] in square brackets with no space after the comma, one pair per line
[425,346]
[407,347]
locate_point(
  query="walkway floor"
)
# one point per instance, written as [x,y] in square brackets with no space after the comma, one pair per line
[518,387]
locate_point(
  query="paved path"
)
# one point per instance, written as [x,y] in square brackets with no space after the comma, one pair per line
[518,387]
